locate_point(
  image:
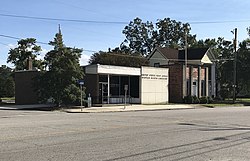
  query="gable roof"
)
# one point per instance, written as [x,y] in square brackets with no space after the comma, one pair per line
[193,54]
[168,53]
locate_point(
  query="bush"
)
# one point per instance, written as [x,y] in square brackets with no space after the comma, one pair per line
[206,100]
[195,100]
[188,99]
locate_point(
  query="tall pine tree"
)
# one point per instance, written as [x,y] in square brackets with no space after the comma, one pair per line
[63,70]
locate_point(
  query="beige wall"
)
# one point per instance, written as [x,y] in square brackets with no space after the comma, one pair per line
[154,85]
[157,58]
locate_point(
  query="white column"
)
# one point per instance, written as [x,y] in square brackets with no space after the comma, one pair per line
[199,81]
[206,81]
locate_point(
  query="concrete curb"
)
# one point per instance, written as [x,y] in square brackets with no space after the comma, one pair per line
[130,108]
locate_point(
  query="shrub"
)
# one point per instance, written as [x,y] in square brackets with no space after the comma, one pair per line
[205,99]
[195,100]
[188,99]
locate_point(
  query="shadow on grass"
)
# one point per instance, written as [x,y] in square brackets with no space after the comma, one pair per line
[227,103]
[14,107]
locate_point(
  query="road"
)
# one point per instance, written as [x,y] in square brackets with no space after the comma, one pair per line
[219,134]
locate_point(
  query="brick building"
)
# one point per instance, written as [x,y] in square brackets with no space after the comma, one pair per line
[198,79]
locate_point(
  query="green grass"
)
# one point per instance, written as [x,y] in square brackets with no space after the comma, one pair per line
[213,105]
[243,100]
[8,98]
[229,102]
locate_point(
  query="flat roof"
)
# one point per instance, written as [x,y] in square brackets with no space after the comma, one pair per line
[111,69]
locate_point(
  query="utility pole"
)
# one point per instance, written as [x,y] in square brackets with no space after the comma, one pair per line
[185,87]
[235,60]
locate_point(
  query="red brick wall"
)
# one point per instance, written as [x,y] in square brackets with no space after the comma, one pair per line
[91,82]
[175,83]
[24,89]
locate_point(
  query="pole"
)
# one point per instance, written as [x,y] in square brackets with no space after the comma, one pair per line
[125,98]
[81,97]
[235,59]
[185,66]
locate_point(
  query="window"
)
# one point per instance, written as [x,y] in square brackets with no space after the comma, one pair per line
[156,64]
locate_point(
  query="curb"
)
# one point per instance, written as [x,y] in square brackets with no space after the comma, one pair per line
[132,110]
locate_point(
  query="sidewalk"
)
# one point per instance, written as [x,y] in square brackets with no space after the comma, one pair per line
[130,108]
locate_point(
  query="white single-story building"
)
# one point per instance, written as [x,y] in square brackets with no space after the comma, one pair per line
[108,84]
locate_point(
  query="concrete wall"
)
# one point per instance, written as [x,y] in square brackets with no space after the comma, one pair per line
[24,89]
[154,85]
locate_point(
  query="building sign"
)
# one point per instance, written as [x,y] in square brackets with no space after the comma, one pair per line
[154,76]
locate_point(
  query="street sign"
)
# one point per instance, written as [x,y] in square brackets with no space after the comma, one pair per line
[80,81]
[125,87]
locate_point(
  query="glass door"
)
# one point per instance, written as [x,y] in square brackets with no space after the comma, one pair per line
[103,88]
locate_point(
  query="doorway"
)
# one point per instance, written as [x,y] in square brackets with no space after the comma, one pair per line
[103,89]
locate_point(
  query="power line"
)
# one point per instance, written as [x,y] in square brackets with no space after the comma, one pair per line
[86,9]
[63,20]
[39,42]
[109,22]
[4,44]
[17,38]
[217,22]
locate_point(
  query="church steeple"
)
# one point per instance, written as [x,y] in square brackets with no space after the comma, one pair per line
[59,29]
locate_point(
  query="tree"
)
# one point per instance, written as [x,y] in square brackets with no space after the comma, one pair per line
[26,49]
[140,36]
[116,57]
[171,33]
[7,85]
[243,67]
[143,37]
[59,82]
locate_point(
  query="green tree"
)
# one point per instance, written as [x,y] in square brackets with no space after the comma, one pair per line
[116,57]
[140,36]
[59,82]
[7,85]
[143,37]
[243,67]
[26,49]
[171,33]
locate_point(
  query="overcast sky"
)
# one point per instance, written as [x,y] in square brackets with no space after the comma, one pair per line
[100,36]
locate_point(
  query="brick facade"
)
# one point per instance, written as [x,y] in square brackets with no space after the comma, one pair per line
[24,89]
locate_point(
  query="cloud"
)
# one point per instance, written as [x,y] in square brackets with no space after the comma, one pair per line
[11,46]
[84,60]
[42,54]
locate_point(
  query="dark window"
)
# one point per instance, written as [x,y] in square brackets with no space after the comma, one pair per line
[114,86]
[124,81]
[103,78]
[156,64]
[134,86]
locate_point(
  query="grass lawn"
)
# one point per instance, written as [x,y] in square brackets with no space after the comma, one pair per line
[8,98]
[229,102]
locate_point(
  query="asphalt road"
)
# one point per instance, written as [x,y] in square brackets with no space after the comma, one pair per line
[220,134]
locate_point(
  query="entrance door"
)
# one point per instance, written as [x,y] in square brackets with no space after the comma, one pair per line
[103,88]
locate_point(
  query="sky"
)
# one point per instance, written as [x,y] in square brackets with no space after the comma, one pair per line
[219,18]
